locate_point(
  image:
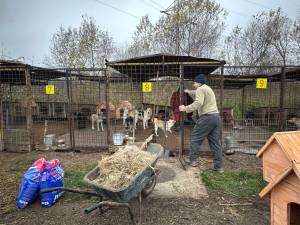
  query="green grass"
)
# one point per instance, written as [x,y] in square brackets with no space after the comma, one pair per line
[74,179]
[237,182]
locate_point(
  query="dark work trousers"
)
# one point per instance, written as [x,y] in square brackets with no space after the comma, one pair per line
[207,125]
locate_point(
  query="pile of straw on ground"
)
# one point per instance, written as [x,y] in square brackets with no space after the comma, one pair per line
[118,170]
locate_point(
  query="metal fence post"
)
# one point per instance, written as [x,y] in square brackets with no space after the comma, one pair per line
[69,108]
[181,132]
[1,122]
[282,125]
[108,125]
[221,103]
[29,108]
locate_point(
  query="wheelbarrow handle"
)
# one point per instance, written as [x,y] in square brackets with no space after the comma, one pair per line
[46,190]
[92,208]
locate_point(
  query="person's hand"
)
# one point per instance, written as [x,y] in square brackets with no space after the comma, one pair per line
[182,108]
[186,91]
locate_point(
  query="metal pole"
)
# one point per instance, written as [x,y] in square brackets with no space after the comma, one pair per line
[29,108]
[243,102]
[10,105]
[99,89]
[282,97]
[69,108]
[108,125]
[141,98]
[1,122]
[72,108]
[181,130]
[269,101]
[155,108]
[221,102]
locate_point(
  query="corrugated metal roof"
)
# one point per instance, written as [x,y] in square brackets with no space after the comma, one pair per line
[162,64]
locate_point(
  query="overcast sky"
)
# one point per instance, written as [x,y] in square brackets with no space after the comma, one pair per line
[26,26]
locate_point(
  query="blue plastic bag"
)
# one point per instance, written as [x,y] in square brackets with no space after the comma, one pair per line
[30,184]
[52,176]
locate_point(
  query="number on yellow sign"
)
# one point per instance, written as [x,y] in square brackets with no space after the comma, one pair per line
[261,83]
[147,87]
[50,90]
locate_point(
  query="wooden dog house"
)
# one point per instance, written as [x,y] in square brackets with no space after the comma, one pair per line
[281,169]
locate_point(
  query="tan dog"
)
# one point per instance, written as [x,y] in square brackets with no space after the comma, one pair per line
[165,127]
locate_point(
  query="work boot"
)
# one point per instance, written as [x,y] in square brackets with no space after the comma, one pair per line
[218,170]
[191,163]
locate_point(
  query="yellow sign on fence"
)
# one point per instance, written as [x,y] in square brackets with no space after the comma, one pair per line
[50,89]
[261,83]
[147,87]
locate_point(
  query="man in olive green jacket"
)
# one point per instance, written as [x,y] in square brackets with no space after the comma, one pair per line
[208,124]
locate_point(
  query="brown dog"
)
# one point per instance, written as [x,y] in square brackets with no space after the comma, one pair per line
[165,127]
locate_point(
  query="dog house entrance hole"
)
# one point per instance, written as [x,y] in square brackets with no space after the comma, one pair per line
[294,209]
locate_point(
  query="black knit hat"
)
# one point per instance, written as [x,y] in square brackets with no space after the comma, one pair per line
[200,78]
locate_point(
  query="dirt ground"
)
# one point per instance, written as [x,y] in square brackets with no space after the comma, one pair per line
[88,138]
[206,210]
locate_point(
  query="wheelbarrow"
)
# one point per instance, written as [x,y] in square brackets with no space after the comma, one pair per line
[141,185]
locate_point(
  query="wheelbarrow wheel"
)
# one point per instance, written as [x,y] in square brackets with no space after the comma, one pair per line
[149,187]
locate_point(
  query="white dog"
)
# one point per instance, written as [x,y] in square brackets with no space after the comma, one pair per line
[165,127]
[131,117]
[146,117]
[98,118]
[125,116]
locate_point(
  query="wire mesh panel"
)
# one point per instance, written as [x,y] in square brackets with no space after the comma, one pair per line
[254,102]
[88,109]
[257,102]
[50,109]
[126,93]
[50,125]
[15,105]
[155,88]
[291,98]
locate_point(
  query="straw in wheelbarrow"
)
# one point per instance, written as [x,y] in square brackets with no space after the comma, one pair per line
[119,169]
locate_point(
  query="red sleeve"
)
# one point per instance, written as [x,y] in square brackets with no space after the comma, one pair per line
[173,101]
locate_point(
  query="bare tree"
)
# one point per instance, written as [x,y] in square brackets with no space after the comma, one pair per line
[266,40]
[86,46]
[142,38]
[64,47]
[122,51]
[94,44]
[193,27]
[296,39]
[232,47]
[283,41]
